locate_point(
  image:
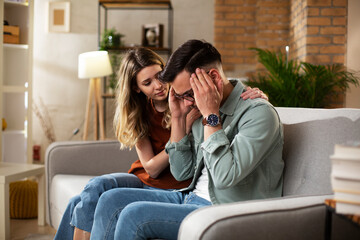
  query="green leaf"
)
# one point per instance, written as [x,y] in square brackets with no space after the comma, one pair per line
[292,84]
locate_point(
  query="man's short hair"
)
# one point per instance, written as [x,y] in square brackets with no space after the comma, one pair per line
[189,56]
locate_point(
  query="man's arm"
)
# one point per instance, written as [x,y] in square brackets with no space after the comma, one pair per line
[230,161]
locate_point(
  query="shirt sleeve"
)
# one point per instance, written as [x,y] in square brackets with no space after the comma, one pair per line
[229,162]
[182,165]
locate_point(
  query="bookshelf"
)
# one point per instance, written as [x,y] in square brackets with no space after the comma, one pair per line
[133,5]
[16,82]
[116,5]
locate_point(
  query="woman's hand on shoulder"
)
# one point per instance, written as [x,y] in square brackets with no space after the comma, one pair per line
[253,93]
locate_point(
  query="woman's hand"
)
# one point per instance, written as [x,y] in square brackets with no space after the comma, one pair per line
[253,93]
[191,117]
[177,107]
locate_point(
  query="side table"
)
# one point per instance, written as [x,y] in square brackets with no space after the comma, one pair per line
[11,172]
[349,222]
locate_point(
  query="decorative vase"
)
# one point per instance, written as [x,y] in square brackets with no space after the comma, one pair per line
[151,37]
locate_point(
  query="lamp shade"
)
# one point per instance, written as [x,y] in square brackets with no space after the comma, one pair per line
[94,64]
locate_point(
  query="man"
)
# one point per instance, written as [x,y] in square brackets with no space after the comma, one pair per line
[234,152]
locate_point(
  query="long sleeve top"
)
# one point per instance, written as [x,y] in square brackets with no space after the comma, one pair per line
[243,159]
[158,136]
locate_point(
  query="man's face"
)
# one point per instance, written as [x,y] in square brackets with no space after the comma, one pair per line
[182,88]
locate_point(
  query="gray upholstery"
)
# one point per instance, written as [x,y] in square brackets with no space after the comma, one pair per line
[309,139]
[260,219]
[307,147]
[85,158]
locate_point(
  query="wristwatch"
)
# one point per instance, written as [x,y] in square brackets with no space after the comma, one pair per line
[212,120]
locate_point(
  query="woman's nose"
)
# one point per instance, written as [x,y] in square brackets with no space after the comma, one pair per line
[158,84]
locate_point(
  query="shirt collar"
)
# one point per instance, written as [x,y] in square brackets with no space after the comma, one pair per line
[231,102]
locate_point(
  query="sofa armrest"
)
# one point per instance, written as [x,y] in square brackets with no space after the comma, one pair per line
[281,218]
[87,158]
[91,158]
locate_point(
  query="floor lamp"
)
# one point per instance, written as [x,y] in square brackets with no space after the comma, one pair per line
[94,65]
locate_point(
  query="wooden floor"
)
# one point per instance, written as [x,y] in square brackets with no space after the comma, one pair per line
[23,228]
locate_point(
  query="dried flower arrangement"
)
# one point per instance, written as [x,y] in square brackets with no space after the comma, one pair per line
[45,121]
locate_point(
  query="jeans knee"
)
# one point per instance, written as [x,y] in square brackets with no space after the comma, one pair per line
[130,222]
[99,181]
[133,210]
[74,200]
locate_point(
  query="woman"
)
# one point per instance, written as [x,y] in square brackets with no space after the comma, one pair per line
[142,120]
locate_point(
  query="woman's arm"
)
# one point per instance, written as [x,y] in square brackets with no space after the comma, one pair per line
[153,164]
[190,119]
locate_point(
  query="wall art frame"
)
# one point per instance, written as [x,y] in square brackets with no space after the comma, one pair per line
[59,16]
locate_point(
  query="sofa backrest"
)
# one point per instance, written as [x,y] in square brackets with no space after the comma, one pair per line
[309,139]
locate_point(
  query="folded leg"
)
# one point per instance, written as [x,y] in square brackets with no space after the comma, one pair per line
[112,202]
[152,220]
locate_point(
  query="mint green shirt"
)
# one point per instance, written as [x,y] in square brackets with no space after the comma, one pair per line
[243,159]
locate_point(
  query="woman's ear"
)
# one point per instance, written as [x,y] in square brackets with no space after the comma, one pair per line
[136,89]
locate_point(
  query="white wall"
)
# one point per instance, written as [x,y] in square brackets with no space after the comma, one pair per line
[353,51]
[55,79]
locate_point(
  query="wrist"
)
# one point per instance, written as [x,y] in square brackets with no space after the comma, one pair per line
[211,120]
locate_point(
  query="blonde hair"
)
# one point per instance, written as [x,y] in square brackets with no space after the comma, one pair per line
[131,120]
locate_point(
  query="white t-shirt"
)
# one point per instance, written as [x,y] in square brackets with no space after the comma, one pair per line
[202,185]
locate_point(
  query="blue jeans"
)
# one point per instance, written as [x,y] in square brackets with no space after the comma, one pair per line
[80,209]
[142,213]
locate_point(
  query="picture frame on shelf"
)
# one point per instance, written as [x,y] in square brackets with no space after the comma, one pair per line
[59,16]
[153,35]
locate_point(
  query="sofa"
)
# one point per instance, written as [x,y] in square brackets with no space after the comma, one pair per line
[309,139]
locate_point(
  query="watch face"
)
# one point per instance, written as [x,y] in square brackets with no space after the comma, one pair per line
[213,120]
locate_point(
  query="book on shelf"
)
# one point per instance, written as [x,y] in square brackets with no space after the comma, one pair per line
[345,184]
[344,207]
[347,196]
[345,178]
[343,168]
[346,161]
[348,151]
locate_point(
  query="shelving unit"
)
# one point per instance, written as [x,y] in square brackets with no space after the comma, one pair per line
[114,5]
[137,5]
[16,83]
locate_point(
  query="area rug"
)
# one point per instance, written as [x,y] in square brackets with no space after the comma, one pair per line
[39,237]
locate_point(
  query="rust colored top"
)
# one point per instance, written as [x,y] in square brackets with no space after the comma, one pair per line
[158,136]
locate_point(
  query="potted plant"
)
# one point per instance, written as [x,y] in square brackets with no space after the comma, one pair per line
[294,84]
[115,64]
[110,39]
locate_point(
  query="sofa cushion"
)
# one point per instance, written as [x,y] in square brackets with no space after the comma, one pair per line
[307,163]
[60,194]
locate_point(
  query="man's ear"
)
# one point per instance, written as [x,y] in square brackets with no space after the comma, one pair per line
[214,74]
[217,80]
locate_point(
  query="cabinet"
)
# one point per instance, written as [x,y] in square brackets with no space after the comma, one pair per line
[105,6]
[16,83]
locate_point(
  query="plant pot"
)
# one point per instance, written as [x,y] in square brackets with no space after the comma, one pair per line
[114,40]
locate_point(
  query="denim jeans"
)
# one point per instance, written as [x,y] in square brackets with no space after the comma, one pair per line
[80,209]
[142,213]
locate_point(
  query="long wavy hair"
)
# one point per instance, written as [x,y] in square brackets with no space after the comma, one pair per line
[131,116]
